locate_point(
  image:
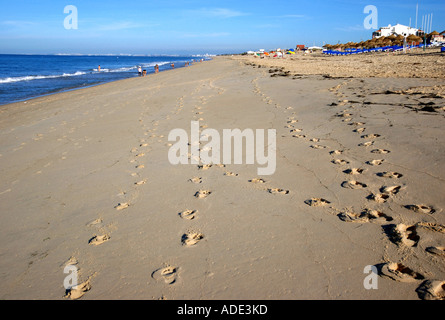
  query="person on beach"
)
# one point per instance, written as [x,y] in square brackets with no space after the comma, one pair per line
[140,71]
[156,68]
[173,65]
[98,68]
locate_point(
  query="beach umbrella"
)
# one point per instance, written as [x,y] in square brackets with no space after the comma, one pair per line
[413,38]
[434,33]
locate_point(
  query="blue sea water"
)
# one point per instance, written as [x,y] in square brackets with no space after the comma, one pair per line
[27,76]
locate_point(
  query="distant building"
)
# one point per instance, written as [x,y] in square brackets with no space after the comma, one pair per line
[396,30]
[300,47]
[438,37]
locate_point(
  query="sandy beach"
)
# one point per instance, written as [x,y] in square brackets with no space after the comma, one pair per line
[359,181]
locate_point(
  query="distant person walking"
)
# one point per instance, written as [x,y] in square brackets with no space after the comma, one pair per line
[173,65]
[140,70]
[156,68]
[98,68]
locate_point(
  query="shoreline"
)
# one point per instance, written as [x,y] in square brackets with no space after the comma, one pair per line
[86,183]
[87,86]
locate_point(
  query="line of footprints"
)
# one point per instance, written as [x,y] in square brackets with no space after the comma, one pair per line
[138,153]
[401,234]
[169,273]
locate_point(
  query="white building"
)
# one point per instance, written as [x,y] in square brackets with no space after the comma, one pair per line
[398,29]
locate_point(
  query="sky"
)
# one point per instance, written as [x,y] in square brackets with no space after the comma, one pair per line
[196,26]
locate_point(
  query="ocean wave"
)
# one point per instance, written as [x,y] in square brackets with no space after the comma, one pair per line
[38,77]
[152,64]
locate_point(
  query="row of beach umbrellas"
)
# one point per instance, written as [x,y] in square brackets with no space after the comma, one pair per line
[391,40]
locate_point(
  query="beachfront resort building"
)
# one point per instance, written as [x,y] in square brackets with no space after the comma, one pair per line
[398,29]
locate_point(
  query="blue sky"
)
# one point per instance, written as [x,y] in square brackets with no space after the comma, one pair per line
[195,26]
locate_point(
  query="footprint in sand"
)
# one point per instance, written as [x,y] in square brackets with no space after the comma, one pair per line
[257,180]
[317,202]
[340,161]
[359,130]
[402,234]
[314,140]
[140,155]
[97,240]
[380,151]
[204,166]
[299,136]
[140,182]
[278,191]
[202,194]
[367,215]
[191,238]
[122,206]
[353,184]
[316,146]
[94,222]
[390,190]
[366,144]
[431,290]
[336,152]
[295,130]
[399,272]
[196,180]
[230,174]
[168,274]
[76,292]
[392,175]
[439,251]
[354,171]
[356,123]
[371,136]
[420,208]
[375,162]
[188,214]
[379,197]
[430,226]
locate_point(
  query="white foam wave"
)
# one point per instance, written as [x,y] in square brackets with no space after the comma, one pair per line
[30,78]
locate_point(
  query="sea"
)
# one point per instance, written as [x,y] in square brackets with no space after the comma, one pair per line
[28,76]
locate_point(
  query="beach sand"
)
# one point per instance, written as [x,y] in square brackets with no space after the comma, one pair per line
[86,182]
